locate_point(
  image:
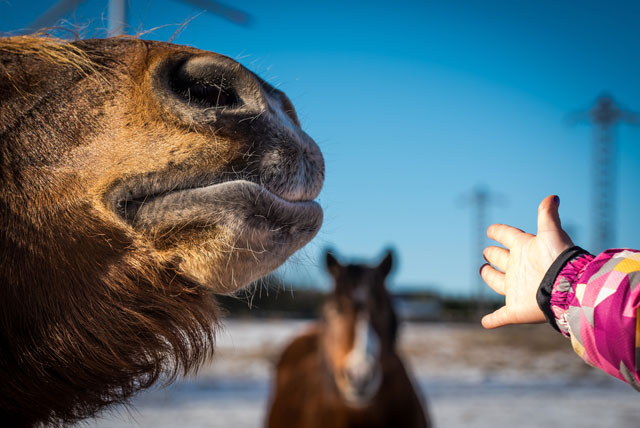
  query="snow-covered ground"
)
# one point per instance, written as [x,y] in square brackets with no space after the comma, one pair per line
[515,376]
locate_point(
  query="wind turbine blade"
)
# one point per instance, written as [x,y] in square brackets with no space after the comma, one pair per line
[227,12]
[57,11]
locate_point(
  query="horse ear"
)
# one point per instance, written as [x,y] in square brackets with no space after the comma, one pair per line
[333,265]
[386,264]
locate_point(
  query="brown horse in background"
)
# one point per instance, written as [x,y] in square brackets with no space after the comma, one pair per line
[345,371]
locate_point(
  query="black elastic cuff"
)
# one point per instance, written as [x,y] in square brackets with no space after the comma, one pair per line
[544,291]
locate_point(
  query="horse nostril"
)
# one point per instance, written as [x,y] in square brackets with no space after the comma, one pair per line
[355,376]
[204,82]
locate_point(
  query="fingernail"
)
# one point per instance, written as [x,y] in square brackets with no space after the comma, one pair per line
[482,267]
[556,199]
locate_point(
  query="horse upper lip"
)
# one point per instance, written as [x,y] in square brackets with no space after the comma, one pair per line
[239,204]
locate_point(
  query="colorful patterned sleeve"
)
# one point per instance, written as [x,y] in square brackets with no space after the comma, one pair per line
[596,303]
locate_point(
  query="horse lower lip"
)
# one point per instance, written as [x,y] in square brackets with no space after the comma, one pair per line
[237,203]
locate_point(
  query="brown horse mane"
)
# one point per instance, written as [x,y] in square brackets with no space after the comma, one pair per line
[107,337]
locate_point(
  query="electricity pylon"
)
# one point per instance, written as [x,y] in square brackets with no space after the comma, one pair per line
[604,115]
[479,199]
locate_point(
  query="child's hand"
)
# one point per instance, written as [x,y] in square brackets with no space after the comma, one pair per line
[522,265]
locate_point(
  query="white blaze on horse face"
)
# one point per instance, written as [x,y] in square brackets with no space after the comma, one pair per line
[363,363]
[367,342]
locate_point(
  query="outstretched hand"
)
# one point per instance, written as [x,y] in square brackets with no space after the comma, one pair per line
[522,265]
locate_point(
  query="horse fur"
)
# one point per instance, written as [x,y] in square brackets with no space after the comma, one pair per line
[95,304]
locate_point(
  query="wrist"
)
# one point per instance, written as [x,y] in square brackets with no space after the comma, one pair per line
[550,280]
[564,288]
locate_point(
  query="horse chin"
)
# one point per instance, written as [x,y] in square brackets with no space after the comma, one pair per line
[228,264]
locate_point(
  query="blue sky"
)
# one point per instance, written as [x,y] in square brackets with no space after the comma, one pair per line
[416,103]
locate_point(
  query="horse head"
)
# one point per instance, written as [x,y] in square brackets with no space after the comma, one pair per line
[137,178]
[361,328]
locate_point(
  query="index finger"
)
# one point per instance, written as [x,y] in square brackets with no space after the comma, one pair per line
[504,234]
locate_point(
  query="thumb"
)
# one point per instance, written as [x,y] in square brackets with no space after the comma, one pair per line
[548,217]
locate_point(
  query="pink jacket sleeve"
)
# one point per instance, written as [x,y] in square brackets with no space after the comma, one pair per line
[596,303]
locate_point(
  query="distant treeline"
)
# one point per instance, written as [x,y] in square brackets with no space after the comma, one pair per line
[273,298]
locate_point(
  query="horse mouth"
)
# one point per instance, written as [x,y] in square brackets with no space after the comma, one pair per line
[241,205]
[359,392]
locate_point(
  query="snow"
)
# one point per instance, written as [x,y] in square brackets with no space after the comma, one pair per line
[516,376]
